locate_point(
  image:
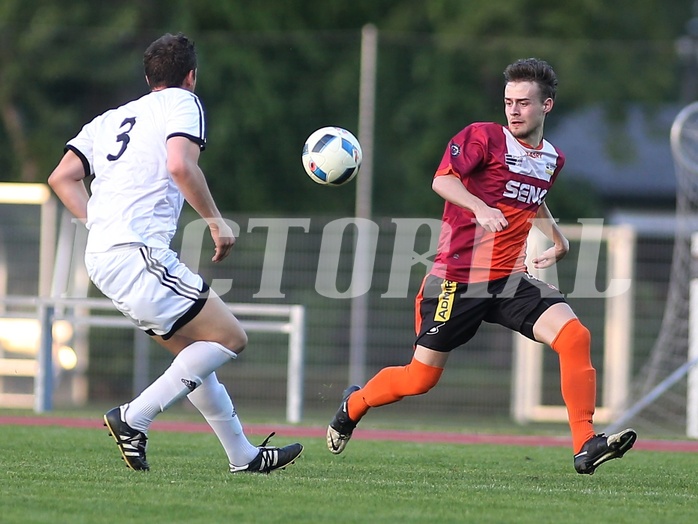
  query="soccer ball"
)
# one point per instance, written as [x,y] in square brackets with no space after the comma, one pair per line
[331,156]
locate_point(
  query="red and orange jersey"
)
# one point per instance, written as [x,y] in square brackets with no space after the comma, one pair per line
[504,173]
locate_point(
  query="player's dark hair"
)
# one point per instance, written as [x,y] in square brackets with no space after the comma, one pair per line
[533,70]
[168,60]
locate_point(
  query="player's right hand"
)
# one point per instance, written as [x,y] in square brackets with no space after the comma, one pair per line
[491,219]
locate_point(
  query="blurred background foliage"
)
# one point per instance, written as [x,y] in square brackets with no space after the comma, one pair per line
[272,71]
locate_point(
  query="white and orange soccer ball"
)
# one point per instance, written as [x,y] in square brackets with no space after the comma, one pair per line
[331,156]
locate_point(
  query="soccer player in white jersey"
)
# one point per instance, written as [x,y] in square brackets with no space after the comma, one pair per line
[144,158]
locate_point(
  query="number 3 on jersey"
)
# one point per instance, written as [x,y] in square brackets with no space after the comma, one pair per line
[123,137]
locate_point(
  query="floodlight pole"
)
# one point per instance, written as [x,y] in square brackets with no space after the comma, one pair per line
[364,189]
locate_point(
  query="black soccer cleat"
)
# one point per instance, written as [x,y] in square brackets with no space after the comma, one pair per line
[270,458]
[340,429]
[131,443]
[600,449]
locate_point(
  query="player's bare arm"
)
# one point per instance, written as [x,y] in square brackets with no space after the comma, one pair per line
[182,163]
[451,189]
[548,226]
[66,180]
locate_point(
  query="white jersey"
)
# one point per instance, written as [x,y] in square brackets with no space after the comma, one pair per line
[134,199]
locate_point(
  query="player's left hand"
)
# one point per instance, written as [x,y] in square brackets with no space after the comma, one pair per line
[548,257]
[223,239]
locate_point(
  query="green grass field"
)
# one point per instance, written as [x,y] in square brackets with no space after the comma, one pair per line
[57,475]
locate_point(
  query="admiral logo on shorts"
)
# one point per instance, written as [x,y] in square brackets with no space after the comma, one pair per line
[445,301]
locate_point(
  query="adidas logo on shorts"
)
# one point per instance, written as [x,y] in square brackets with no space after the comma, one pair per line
[191,385]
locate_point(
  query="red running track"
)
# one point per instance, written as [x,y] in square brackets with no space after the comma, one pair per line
[362,434]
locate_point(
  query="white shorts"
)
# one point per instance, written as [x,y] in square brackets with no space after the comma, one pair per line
[148,285]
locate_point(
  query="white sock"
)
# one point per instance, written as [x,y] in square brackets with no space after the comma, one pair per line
[186,373]
[215,404]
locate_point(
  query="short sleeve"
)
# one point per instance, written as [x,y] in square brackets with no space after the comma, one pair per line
[186,119]
[83,144]
[464,154]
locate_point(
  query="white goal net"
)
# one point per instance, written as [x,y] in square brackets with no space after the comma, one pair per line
[661,388]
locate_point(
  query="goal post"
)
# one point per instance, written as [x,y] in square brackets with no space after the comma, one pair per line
[692,360]
[527,369]
[39,196]
[90,312]
[27,321]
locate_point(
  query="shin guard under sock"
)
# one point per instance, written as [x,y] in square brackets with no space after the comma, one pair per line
[187,371]
[577,380]
[214,403]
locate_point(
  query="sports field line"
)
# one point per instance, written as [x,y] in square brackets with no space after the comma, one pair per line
[359,434]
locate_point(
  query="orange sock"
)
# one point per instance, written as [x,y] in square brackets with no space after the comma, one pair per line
[392,384]
[577,380]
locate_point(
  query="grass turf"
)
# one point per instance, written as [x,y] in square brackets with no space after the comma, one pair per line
[53,475]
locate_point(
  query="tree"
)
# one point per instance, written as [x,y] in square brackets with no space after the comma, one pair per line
[271,74]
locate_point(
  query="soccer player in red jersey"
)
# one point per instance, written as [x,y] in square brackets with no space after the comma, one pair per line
[494,180]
